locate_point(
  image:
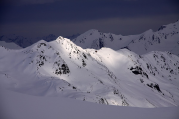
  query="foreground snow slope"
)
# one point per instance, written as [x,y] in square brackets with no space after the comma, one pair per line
[62,69]
[21,106]
[165,39]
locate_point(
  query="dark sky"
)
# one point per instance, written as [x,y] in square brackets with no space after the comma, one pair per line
[68,17]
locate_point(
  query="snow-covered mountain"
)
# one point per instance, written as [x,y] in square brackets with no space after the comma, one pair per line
[62,69]
[165,39]
[9,45]
[28,41]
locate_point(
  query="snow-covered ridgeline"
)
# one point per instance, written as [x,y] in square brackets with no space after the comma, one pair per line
[165,39]
[62,69]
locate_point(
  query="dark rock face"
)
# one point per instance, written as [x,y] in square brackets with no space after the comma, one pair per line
[65,69]
[62,70]
[101,43]
[83,63]
[155,86]
[162,27]
[138,70]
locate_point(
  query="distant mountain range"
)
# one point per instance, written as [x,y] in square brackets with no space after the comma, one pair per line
[60,68]
[165,39]
[9,45]
[25,41]
[28,41]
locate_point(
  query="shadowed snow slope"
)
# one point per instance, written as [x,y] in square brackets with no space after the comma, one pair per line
[165,39]
[62,69]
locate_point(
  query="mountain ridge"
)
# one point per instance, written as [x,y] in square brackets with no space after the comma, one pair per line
[28,41]
[165,39]
[62,69]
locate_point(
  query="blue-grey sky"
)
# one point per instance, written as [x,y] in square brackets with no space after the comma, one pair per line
[68,17]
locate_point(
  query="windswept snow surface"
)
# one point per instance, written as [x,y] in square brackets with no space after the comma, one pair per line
[165,39]
[15,105]
[62,69]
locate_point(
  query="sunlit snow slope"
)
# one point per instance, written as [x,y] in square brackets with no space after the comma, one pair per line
[62,69]
[165,39]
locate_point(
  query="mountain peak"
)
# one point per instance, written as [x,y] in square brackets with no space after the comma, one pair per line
[91,31]
[149,31]
[60,38]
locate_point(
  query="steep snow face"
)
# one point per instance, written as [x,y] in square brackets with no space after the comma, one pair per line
[62,69]
[9,45]
[165,39]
